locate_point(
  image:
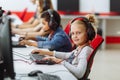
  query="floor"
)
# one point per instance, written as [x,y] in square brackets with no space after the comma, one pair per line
[106,65]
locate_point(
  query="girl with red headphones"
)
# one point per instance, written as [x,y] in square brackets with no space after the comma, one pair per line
[82,32]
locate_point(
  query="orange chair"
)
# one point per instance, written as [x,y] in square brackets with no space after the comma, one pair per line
[96,42]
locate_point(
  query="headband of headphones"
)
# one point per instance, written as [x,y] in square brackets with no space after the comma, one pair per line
[50,13]
[52,23]
[81,19]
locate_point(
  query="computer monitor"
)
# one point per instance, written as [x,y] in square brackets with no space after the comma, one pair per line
[6,49]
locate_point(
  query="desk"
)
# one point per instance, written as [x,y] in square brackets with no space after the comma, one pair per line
[24,67]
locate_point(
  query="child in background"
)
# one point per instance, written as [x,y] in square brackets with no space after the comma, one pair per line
[33,25]
[42,5]
[57,39]
[82,32]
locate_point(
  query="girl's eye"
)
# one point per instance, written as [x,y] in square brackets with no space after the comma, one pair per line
[78,32]
[72,33]
[75,33]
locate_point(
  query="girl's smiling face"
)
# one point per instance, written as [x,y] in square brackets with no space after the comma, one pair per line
[78,33]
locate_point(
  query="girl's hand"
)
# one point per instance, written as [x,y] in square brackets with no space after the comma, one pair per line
[56,60]
[23,42]
[36,51]
[43,52]
[29,43]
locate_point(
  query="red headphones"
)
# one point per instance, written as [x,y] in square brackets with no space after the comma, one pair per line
[89,27]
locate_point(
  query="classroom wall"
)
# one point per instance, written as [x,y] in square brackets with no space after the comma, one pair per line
[17,5]
[84,5]
[94,6]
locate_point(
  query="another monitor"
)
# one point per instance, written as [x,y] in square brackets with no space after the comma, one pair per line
[68,5]
[115,6]
[6,49]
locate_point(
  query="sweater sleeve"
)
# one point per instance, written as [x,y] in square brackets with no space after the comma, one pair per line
[39,38]
[62,55]
[79,69]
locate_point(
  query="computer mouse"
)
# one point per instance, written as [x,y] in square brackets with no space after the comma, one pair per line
[34,73]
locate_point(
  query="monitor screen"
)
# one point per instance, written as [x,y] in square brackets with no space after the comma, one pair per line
[6,49]
[68,5]
[1,59]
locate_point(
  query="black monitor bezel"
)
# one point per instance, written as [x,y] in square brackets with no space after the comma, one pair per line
[6,47]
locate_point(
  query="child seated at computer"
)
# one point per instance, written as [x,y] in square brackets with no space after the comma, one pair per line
[57,39]
[82,32]
[32,27]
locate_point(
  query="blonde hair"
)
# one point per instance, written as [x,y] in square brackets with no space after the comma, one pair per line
[41,4]
[93,20]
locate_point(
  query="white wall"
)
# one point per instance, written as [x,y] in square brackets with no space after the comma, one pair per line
[17,5]
[94,5]
[54,2]
[85,5]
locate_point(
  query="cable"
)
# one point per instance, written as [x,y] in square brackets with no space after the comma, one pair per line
[20,53]
[24,61]
[21,56]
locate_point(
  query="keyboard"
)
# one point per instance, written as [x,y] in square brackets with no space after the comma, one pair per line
[37,58]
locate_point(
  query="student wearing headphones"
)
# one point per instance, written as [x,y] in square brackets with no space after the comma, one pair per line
[82,32]
[34,31]
[57,39]
[42,5]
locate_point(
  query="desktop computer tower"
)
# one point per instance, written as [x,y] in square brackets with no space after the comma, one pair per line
[68,5]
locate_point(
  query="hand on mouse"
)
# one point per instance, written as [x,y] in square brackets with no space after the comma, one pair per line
[27,42]
[35,51]
[23,42]
[43,52]
[39,51]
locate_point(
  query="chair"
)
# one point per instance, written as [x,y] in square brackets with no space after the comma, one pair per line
[67,28]
[96,42]
[67,31]
[22,16]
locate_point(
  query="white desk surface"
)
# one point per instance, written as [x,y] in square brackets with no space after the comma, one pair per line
[23,66]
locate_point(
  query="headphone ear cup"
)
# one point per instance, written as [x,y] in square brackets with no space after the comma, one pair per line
[52,24]
[90,32]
